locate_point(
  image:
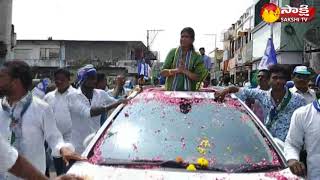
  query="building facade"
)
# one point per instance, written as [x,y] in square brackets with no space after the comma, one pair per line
[245,41]
[288,38]
[110,57]
[237,42]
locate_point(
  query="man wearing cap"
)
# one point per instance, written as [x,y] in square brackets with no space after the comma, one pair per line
[301,78]
[305,130]
[87,105]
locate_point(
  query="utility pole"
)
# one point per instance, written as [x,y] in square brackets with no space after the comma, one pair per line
[5,29]
[156,31]
[215,40]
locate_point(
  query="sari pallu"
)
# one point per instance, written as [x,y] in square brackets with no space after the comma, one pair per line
[193,63]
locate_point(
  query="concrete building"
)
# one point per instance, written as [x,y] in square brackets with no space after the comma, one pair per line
[217,59]
[288,38]
[110,57]
[245,41]
[312,40]
[237,42]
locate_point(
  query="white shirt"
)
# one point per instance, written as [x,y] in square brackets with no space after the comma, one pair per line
[309,96]
[82,124]
[8,155]
[305,124]
[38,125]
[60,106]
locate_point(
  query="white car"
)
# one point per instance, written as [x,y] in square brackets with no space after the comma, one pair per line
[183,135]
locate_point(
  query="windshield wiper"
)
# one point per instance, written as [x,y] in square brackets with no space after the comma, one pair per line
[174,164]
[166,164]
[121,162]
[258,168]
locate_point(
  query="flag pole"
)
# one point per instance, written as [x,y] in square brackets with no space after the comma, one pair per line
[271,31]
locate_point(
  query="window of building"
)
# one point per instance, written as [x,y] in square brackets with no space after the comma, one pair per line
[23,54]
[49,53]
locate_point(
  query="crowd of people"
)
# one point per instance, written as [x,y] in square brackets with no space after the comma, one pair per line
[62,116]
[291,113]
[59,117]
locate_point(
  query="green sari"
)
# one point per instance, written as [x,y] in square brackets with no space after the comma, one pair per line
[181,82]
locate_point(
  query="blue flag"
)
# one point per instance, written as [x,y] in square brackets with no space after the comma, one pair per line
[270,57]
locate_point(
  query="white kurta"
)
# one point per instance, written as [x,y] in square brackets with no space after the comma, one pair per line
[305,124]
[60,106]
[82,124]
[8,155]
[38,125]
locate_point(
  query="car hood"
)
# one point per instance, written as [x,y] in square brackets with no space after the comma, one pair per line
[90,172]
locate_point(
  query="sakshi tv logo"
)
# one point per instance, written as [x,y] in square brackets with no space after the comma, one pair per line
[272,13]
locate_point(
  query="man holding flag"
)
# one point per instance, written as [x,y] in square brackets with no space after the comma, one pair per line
[278,103]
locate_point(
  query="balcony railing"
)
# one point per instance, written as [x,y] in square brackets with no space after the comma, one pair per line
[44,62]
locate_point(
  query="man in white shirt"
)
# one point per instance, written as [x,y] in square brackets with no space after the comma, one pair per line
[301,79]
[304,130]
[58,101]
[93,103]
[17,165]
[27,121]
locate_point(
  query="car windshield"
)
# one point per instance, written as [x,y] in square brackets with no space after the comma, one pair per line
[159,127]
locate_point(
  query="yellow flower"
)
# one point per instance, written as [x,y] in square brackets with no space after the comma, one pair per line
[191,167]
[201,150]
[205,143]
[203,162]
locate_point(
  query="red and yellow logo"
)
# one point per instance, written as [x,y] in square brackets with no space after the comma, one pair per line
[270,13]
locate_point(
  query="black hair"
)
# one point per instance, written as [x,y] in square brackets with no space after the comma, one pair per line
[189,31]
[64,72]
[281,68]
[20,70]
[100,77]
[267,72]
[202,48]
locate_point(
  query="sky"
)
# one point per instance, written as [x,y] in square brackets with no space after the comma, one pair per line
[127,20]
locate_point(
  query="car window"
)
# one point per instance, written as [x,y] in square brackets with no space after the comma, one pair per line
[166,128]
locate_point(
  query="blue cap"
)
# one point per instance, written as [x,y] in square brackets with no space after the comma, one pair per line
[290,84]
[301,70]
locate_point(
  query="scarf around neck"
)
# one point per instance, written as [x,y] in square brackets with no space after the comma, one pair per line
[176,62]
[316,104]
[275,110]
[16,113]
